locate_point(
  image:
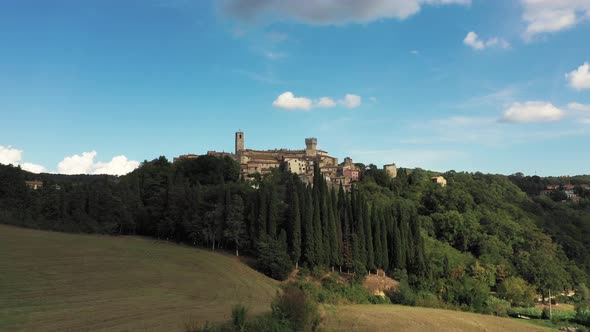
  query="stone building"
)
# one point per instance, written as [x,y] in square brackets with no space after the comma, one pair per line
[296,161]
[300,162]
[391,170]
[439,180]
[35,184]
[186,156]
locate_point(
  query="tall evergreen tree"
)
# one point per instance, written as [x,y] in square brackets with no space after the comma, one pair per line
[272,215]
[262,214]
[385,253]
[399,257]
[295,214]
[345,217]
[361,230]
[317,230]
[326,231]
[235,229]
[253,212]
[308,238]
[339,225]
[375,222]
[368,237]
[333,232]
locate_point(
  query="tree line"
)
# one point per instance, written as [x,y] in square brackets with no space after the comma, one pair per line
[456,243]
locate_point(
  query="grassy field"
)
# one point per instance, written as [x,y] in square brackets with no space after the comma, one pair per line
[64,282]
[400,318]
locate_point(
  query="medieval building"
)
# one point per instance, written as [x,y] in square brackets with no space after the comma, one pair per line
[300,162]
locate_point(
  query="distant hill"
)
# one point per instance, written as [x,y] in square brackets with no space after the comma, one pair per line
[62,282]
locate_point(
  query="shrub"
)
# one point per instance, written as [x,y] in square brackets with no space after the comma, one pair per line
[273,259]
[528,312]
[268,323]
[403,294]
[294,306]
[208,327]
[319,271]
[563,315]
[238,317]
[583,307]
[582,315]
[497,307]
[517,291]
[430,300]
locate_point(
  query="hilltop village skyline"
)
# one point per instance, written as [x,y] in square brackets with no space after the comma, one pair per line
[298,161]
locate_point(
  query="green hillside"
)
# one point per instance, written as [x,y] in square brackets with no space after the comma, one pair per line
[55,281]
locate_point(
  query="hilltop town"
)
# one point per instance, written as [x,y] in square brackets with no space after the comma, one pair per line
[301,162]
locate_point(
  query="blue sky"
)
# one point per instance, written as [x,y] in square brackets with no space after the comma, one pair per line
[491,86]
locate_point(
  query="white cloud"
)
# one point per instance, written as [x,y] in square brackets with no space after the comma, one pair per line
[9,155]
[546,16]
[326,102]
[579,78]
[84,164]
[532,111]
[33,168]
[473,40]
[324,12]
[288,101]
[351,101]
[77,164]
[119,165]
[579,107]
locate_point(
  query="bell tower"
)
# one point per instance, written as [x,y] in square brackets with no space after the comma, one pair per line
[239,141]
[311,146]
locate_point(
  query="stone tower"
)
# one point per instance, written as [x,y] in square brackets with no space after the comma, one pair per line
[239,141]
[391,170]
[311,145]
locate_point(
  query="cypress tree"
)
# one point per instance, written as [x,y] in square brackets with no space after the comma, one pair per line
[419,262]
[399,257]
[361,230]
[235,230]
[356,254]
[326,231]
[253,217]
[339,228]
[408,249]
[272,214]
[295,227]
[308,239]
[369,238]
[317,230]
[377,236]
[262,214]
[345,217]
[333,233]
[384,243]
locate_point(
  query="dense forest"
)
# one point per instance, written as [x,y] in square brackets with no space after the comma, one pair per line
[479,235]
